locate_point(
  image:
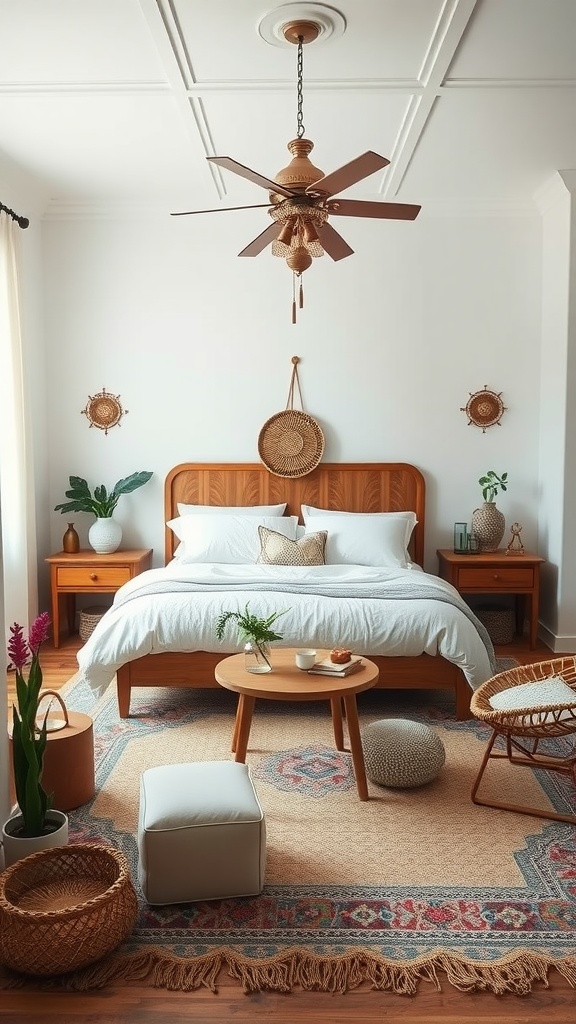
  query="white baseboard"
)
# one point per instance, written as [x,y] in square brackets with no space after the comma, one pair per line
[557,644]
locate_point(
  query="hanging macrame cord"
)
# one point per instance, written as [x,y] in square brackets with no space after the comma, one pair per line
[294,383]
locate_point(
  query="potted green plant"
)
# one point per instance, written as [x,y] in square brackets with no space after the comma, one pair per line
[35,826]
[491,483]
[105,534]
[256,635]
[488,522]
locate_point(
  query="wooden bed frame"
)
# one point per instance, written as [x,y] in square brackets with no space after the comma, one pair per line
[351,487]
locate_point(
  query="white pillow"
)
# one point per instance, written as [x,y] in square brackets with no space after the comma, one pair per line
[231,510]
[222,538]
[310,512]
[363,540]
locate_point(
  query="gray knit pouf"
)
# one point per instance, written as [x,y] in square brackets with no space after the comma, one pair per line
[402,754]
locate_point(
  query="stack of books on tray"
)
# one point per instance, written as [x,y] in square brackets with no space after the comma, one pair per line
[331,668]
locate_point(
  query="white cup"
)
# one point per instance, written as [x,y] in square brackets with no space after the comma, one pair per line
[305,659]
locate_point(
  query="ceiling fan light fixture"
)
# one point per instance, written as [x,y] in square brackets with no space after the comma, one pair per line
[285,236]
[310,233]
[284,249]
[302,198]
[299,259]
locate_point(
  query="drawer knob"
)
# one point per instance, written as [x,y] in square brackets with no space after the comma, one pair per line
[496,576]
[93,576]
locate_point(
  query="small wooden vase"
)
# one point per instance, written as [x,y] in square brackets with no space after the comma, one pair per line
[71,540]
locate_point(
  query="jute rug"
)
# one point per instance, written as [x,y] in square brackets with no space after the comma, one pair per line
[412,885]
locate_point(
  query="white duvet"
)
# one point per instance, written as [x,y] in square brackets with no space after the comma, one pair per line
[393,612]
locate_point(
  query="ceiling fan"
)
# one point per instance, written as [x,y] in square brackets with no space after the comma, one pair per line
[302,197]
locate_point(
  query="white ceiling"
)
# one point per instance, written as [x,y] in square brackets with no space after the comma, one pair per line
[108,105]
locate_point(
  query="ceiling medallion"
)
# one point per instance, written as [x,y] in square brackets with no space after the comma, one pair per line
[327,23]
[484,408]
[104,410]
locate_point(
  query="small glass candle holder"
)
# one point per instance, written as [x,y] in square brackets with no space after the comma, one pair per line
[460,538]
[473,544]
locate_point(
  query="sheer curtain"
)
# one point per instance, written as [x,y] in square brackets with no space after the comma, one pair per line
[17,498]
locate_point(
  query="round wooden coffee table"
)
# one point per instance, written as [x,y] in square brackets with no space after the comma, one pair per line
[286,682]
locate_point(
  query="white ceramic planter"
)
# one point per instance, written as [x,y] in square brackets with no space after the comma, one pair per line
[16,847]
[105,535]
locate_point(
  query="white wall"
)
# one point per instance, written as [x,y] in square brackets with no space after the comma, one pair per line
[198,344]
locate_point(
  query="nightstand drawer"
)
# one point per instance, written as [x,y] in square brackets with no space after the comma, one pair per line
[86,577]
[483,579]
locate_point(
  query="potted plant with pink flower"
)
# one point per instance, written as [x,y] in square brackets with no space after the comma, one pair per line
[35,826]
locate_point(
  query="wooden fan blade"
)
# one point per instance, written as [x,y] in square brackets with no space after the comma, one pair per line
[332,242]
[383,211]
[245,172]
[222,209]
[349,174]
[261,241]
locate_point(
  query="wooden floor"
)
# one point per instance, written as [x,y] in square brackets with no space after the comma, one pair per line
[143,1005]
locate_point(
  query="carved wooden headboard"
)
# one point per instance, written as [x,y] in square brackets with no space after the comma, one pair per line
[345,486]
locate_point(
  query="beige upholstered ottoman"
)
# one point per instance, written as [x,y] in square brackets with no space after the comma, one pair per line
[201,833]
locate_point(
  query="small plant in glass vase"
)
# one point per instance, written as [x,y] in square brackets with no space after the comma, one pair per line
[256,634]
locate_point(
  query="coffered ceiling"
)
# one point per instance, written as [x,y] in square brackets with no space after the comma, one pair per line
[112,105]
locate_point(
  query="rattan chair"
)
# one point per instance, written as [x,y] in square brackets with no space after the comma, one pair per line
[524,729]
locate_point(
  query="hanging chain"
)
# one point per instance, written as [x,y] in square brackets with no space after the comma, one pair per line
[299,120]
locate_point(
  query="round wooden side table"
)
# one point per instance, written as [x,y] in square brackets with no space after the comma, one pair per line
[287,682]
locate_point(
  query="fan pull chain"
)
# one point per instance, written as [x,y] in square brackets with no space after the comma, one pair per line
[293,297]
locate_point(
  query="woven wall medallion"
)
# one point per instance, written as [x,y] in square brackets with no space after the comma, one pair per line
[484,408]
[104,410]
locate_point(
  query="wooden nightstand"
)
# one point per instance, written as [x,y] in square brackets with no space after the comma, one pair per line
[495,572]
[85,573]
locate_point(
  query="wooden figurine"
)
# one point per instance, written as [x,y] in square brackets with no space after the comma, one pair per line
[515,546]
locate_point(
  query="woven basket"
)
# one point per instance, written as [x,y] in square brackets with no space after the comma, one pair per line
[64,908]
[89,619]
[291,443]
[499,623]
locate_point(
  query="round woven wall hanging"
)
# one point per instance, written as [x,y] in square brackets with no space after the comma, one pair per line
[291,443]
[104,410]
[484,408]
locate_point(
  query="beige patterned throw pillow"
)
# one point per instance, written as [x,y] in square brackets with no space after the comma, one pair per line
[275,549]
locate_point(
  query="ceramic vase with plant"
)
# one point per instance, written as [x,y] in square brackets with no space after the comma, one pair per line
[105,535]
[488,522]
[35,826]
[256,635]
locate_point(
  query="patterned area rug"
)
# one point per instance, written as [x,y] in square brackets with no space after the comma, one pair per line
[412,885]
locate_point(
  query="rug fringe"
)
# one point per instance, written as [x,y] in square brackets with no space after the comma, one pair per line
[299,968]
